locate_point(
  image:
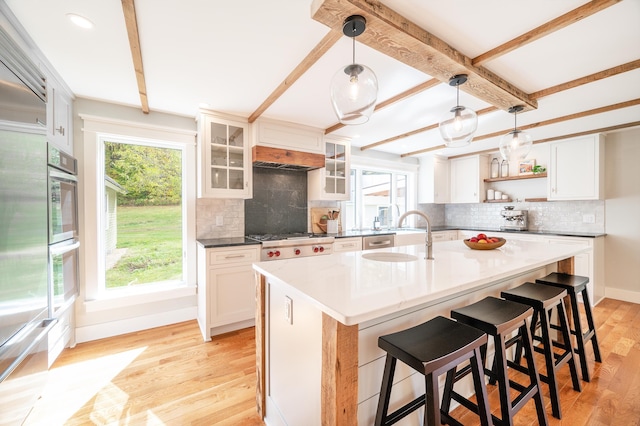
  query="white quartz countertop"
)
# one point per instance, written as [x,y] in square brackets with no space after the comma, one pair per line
[353,289]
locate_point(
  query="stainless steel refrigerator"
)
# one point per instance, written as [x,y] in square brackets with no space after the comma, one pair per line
[23,235]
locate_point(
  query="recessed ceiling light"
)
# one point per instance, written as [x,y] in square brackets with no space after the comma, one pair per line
[80,21]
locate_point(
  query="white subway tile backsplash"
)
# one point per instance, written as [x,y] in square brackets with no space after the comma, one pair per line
[232,212]
[562,216]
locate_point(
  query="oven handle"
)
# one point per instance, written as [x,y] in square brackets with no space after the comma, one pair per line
[61,175]
[65,247]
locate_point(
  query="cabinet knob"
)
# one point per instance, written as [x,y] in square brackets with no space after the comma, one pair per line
[60,130]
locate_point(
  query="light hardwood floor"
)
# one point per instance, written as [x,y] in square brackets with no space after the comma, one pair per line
[169,376]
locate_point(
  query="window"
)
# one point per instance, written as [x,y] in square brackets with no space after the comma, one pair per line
[143,218]
[376,193]
[96,202]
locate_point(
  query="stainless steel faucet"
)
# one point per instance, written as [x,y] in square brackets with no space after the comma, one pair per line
[428,240]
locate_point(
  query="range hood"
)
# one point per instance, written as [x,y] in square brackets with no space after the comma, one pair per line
[285,159]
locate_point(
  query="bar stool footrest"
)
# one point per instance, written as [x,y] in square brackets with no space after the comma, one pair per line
[405,410]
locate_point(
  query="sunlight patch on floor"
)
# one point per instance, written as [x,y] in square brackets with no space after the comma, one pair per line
[71,387]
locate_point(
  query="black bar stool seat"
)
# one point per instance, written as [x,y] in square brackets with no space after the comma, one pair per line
[500,319]
[576,284]
[544,299]
[432,348]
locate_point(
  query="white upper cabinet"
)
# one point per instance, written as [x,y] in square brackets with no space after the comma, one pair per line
[576,169]
[433,176]
[224,157]
[332,182]
[467,178]
[290,136]
[59,113]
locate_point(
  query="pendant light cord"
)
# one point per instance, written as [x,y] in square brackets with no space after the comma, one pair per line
[515,121]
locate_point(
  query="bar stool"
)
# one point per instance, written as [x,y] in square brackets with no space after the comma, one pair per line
[575,284]
[432,348]
[544,299]
[500,318]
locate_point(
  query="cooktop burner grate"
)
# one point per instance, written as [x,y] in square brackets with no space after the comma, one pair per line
[278,237]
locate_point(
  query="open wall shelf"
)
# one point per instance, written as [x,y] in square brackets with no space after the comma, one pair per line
[533,176]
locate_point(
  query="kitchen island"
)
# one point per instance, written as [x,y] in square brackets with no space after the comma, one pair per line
[318,319]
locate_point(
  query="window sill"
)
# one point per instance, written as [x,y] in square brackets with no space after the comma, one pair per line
[138,296]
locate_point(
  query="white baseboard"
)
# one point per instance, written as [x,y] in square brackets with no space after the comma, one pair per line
[624,295]
[130,325]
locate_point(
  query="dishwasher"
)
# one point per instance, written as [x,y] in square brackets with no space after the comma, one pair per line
[377,241]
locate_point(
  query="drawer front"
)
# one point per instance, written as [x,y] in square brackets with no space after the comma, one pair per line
[228,256]
[347,244]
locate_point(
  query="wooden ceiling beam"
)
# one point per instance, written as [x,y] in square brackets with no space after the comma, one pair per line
[316,53]
[547,28]
[565,136]
[556,120]
[397,37]
[420,130]
[629,66]
[554,25]
[129,10]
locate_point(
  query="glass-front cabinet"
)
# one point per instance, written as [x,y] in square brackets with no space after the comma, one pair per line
[332,182]
[224,163]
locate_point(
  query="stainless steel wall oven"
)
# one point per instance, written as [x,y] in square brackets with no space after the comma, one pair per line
[63,196]
[63,231]
[63,273]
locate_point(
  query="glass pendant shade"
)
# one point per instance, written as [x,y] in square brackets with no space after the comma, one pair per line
[458,126]
[515,145]
[354,92]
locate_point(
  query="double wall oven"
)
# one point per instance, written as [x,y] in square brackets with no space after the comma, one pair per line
[63,230]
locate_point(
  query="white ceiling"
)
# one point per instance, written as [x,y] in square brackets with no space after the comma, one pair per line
[232,55]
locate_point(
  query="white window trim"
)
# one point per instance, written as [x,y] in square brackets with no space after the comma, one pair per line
[96,130]
[388,166]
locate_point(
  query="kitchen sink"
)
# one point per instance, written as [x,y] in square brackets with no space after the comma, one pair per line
[390,257]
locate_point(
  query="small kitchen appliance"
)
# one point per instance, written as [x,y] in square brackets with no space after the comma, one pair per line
[288,246]
[513,220]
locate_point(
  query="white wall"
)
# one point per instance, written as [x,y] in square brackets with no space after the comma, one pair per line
[622,215]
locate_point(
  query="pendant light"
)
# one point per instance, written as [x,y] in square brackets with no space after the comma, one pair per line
[458,125]
[354,88]
[517,143]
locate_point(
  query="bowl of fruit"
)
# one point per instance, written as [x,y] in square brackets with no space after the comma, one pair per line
[484,242]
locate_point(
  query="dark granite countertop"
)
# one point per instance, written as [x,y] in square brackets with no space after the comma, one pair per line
[225,242]
[365,233]
[553,233]
[240,241]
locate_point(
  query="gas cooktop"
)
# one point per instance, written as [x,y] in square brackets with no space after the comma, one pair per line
[278,237]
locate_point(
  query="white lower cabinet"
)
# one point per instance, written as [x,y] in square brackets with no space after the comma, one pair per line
[226,288]
[61,335]
[409,238]
[444,236]
[342,245]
